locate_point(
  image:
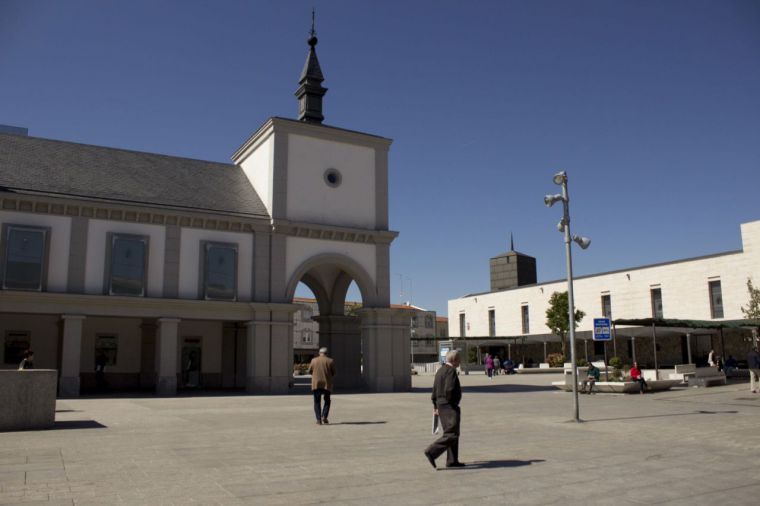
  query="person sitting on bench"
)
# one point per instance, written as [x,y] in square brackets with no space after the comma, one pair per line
[592,376]
[638,377]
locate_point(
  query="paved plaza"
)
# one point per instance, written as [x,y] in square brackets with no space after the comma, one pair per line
[687,446]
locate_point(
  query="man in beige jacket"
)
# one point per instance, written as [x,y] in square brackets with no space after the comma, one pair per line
[322,370]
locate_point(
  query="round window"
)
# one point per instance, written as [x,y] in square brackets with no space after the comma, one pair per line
[332,177]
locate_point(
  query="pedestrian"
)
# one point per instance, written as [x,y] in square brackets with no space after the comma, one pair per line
[753,363]
[489,366]
[322,370]
[100,371]
[446,395]
[28,361]
[711,358]
[592,376]
[730,365]
[496,365]
[638,377]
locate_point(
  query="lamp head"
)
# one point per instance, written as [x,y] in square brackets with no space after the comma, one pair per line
[581,241]
[560,177]
[550,200]
[561,225]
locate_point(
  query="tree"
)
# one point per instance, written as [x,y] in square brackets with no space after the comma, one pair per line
[752,311]
[557,317]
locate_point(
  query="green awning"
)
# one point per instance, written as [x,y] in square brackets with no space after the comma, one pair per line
[690,324]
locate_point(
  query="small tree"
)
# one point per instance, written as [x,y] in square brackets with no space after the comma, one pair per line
[752,311]
[557,317]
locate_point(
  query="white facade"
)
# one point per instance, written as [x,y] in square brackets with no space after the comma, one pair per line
[684,286]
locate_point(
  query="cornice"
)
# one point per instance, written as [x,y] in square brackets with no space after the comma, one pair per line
[277,125]
[135,213]
[333,233]
[136,307]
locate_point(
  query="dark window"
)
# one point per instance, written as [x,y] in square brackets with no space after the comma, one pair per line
[220,271]
[656,294]
[598,347]
[16,343]
[716,300]
[428,321]
[106,345]
[25,249]
[492,322]
[462,332]
[414,321]
[129,254]
[630,349]
[607,306]
[525,320]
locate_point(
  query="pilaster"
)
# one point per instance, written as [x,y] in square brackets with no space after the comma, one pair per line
[341,335]
[166,356]
[70,355]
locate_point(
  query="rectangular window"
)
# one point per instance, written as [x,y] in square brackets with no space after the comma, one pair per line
[106,349]
[219,271]
[127,269]
[462,332]
[598,347]
[656,295]
[428,321]
[607,306]
[16,343]
[414,321]
[525,320]
[716,299]
[25,257]
[492,322]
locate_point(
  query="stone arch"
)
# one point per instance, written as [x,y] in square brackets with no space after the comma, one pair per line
[350,270]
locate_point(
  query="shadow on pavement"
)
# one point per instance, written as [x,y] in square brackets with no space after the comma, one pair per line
[698,412]
[494,464]
[498,388]
[358,423]
[77,424]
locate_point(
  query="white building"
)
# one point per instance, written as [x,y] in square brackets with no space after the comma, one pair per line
[182,273]
[711,288]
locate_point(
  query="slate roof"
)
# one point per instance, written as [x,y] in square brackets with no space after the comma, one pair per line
[31,164]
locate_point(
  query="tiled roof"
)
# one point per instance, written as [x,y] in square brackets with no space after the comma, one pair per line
[30,164]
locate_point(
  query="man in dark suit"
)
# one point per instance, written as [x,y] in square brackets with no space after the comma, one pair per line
[446,396]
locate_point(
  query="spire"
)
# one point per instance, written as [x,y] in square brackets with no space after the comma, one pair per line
[511,242]
[310,91]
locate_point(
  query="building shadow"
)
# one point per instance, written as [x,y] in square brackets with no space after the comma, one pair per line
[77,424]
[666,415]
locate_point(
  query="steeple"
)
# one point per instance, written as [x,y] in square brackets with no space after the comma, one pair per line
[310,91]
[511,242]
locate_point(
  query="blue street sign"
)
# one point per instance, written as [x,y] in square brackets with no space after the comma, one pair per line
[602,329]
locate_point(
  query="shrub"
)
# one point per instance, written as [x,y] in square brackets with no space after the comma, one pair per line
[582,362]
[616,363]
[555,359]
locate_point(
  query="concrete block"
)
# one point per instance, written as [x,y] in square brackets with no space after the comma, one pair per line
[28,399]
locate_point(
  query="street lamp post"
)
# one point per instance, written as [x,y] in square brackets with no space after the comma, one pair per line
[560,178]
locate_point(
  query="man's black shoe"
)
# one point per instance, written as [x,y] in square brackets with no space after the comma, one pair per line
[431,460]
[456,464]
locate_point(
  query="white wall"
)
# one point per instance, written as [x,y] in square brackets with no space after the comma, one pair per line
[684,287]
[58,264]
[300,249]
[97,237]
[258,169]
[189,266]
[311,200]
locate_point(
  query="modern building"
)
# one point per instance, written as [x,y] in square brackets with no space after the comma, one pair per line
[182,273]
[711,289]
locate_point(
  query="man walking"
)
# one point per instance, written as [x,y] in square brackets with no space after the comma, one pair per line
[446,396]
[322,370]
[753,364]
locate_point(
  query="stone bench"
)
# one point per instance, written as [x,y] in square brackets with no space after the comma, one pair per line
[27,399]
[707,377]
[620,387]
[683,372]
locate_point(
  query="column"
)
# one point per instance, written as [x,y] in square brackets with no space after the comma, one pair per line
[688,347]
[341,335]
[257,357]
[166,356]
[148,354]
[386,348]
[70,355]
[281,359]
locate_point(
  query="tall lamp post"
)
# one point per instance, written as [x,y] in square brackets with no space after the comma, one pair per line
[560,179]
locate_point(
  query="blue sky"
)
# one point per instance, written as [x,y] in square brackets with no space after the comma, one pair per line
[653,109]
